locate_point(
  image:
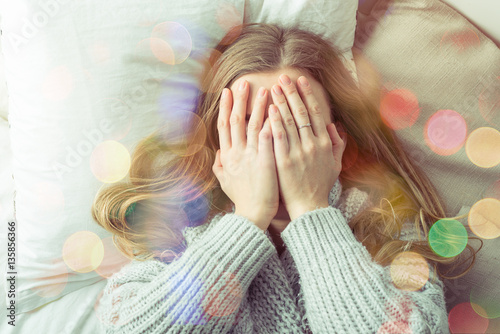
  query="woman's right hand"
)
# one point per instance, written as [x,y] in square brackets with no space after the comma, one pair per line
[244,164]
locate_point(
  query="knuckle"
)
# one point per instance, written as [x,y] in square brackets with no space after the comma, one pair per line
[301,155]
[281,101]
[221,124]
[291,90]
[286,163]
[315,109]
[253,126]
[310,148]
[302,111]
[265,135]
[279,134]
[325,143]
[235,119]
[289,121]
[307,91]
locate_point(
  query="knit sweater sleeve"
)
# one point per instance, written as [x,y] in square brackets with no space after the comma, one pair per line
[199,292]
[345,291]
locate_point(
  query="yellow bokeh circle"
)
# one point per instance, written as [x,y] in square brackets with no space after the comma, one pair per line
[484,218]
[483,147]
[409,271]
[83,251]
[110,161]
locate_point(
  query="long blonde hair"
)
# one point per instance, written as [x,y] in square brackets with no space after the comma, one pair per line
[170,179]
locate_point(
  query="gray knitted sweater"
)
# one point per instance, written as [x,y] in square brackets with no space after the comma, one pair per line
[230,279]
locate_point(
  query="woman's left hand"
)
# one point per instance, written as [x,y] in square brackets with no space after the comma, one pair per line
[309,159]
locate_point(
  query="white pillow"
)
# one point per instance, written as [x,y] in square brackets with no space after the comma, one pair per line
[80,73]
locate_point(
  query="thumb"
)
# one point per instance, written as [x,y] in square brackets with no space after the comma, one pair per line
[217,166]
[338,142]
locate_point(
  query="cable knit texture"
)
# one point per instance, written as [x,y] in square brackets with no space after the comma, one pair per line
[230,279]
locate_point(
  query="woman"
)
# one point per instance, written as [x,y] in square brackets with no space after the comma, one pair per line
[274,229]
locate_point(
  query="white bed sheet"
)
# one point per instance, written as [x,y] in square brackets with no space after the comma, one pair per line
[72,313]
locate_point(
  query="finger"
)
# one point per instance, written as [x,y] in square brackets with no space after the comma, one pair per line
[279,134]
[338,144]
[312,105]
[217,166]
[238,115]
[299,110]
[286,116]
[341,132]
[256,119]
[223,119]
[265,142]
[217,162]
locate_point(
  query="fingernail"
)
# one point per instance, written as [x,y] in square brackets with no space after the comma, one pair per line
[303,82]
[285,80]
[277,90]
[243,85]
[262,91]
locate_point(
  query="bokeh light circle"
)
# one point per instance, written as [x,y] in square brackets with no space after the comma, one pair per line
[399,108]
[483,147]
[110,161]
[351,150]
[196,206]
[448,237]
[176,36]
[187,283]
[409,271]
[484,218]
[83,251]
[159,48]
[229,297]
[395,327]
[461,40]
[463,319]
[485,302]
[445,132]
[228,16]
[113,260]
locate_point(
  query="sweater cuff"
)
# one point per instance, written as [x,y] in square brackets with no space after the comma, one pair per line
[238,245]
[320,227]
[335,192]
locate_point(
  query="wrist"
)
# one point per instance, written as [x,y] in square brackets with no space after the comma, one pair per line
[259,221]
[299,210]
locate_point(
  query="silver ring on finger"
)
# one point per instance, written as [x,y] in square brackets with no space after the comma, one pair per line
[303,126]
